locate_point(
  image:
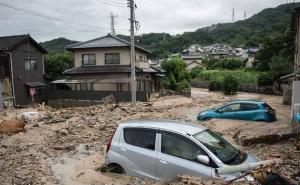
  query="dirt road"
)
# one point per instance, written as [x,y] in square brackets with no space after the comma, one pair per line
[66,146]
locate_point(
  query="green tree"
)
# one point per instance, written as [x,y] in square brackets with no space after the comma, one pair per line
[280,47]
[195,72]
[230,85]
[176,72]
[57,63]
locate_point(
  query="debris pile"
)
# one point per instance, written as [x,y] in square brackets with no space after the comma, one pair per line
[27,157]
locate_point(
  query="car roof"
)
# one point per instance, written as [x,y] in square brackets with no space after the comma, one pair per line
[175,126]
[248,101]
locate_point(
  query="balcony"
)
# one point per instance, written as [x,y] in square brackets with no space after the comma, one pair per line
[142,64]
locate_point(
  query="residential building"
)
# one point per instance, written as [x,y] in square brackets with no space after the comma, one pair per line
[291,82]
[193,61]
[103,65]
[21,70]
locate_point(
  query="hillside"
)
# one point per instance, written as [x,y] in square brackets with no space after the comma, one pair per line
[57,45]
[250,32]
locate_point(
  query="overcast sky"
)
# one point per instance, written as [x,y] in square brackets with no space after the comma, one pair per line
[172,16]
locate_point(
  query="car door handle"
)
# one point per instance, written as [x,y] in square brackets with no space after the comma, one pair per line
[123,149]
[163,162]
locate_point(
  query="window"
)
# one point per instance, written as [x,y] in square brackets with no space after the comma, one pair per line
[144,138]
[88,59]
[30,64]
[85,87]
[231,108]
[112,58]
[179,146]
[248,106]
[220,147]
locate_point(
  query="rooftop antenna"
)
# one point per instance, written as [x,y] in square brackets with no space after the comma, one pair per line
[113,23]
[233,16]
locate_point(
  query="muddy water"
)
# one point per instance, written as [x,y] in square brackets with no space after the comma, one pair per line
[80,169]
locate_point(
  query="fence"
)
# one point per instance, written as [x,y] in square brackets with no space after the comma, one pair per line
[249,88]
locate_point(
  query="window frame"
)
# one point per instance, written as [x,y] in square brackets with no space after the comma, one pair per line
[112,61]
[252,104]
[189,140]
[89,61]
[30,64]
[141,129]
[221,109]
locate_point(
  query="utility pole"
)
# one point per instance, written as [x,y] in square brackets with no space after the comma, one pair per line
[112,23]
[132,53]
[233,16]
[245,15]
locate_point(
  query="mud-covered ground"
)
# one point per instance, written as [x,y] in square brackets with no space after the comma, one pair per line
[66,146]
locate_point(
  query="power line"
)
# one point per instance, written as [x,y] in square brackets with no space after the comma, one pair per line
[111,4]
[49,17]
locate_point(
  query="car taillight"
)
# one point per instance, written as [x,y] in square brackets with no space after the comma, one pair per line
[109,141]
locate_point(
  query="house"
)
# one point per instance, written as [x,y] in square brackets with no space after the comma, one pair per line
[21,70]
[291,87]
[193,61]
[102,66]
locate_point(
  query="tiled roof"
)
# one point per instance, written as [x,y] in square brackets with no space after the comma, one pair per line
[99,69]
[9,42]
[108,41]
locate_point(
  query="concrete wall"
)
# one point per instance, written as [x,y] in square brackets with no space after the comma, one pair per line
[100,56]
[296,94]
[95,96]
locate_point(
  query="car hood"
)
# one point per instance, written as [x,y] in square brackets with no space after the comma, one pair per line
[206,111]
[250,159]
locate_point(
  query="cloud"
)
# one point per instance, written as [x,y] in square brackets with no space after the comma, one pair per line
[172,16]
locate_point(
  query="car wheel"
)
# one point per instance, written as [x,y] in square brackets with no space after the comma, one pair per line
[206,119]
[115,168]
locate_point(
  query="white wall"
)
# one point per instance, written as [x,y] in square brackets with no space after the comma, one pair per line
[296,94]
[100,56]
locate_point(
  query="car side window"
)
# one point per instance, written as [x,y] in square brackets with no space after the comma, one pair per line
[144,138]
[248,107]
[180,146]
[231,108]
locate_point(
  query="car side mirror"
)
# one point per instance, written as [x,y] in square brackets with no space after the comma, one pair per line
[203,159]
[219,111]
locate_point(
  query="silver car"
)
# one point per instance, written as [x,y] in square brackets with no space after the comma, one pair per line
[165,149]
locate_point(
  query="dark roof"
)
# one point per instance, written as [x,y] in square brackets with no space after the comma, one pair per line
[108,41]
[35,84]
[99,69]
[8,43]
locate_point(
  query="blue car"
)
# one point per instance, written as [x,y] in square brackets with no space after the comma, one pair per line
[243,110]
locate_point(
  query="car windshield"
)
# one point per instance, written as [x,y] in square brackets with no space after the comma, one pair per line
[219,146]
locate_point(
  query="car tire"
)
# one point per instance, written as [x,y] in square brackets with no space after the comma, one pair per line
[206,119]
[115,168]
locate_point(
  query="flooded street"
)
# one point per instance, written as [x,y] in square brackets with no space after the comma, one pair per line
[71,151]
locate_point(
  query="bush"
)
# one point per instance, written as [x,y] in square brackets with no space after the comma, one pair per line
[215,86]
[232,64]
[230,85]
[177,75]
[264,80]
[196,71]
[183,86]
